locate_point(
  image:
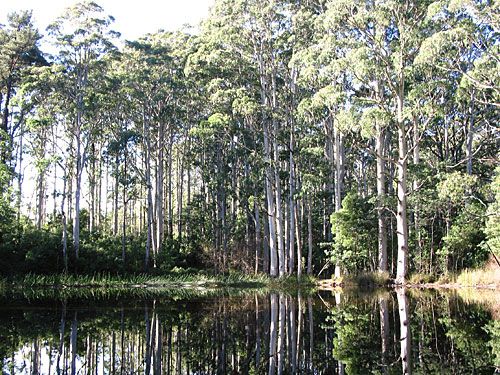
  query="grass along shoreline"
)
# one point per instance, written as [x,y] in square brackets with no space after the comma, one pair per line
[195,280]
[487,277]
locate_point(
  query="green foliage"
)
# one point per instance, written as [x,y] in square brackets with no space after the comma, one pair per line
[355,231]
[493,329]
[355,338]
[173,107]
[461,244]
[455,186]
[492,229]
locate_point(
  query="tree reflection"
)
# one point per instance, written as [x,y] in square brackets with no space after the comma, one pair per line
[273,334]
[404,330]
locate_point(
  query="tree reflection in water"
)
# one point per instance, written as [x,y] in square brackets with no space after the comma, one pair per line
[273,334]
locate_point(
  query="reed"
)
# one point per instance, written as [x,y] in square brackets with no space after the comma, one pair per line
[142,281]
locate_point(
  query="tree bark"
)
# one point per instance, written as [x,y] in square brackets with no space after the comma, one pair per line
[124,220]
[159,189]
[270,207]
[291,207]
[470,135]
[273,330]
[309,237]
[64,224]
[405,334]
[339,180]
[382,231]
[149,194]
[73,342]
[78,187]
[258,245]
[401,215]
[116,196]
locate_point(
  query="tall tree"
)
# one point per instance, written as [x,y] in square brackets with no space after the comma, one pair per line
[83,36]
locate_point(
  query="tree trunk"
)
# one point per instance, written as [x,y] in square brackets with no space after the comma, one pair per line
[92,187]
[258,245]
[382,231]
[291,207]
[401,215]
[279,210]
[281,333]
[180,182]
[384,330]
[299,242]
[470,135]
[159,189]
[78,187]
[339,180]
[73,342]
[271,212]
[20,176]
[124,220]
[273,329]
[5,157]
[170,205]
[116,194]
[416,213]
[149,193]
[309,237]
[64,224]
[40,199]
[404,329]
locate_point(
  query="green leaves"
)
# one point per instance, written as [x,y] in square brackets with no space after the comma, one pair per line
[455,187]
[355,230]
[440,44]
[492,229]
[369,118]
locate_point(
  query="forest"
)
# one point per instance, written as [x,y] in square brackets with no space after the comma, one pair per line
[283,137]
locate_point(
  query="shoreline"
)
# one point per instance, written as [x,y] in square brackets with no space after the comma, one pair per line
[154,283]
[327,285]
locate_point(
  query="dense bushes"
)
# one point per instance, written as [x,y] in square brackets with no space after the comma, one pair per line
[25,249]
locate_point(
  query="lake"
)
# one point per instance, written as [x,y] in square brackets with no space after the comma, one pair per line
[248,332]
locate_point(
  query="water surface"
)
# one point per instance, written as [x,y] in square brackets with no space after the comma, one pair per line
[250,333]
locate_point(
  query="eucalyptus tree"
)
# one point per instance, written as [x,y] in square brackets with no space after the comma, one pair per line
[120,149]
[154,79]
[258,32]
[466,50]
[225,63]
[213,138]
[384,36]
[83,36]
[325,103]
[18,51]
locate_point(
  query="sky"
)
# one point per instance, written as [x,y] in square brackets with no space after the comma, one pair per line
[133,18]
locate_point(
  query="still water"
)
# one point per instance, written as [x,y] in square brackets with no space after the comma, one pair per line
[389,332]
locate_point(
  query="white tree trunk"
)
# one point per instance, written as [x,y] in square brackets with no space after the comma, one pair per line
[149,187]
[309,237]
[64,224]
[299,243]
[470,136]
[159,189]
[78,188]
[273,330]
[401,214]
[404,329]
[291,208]
[270,207]
[339,180]
[258,245]
[382,231]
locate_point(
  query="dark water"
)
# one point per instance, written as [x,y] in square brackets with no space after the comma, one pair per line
[381,333]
